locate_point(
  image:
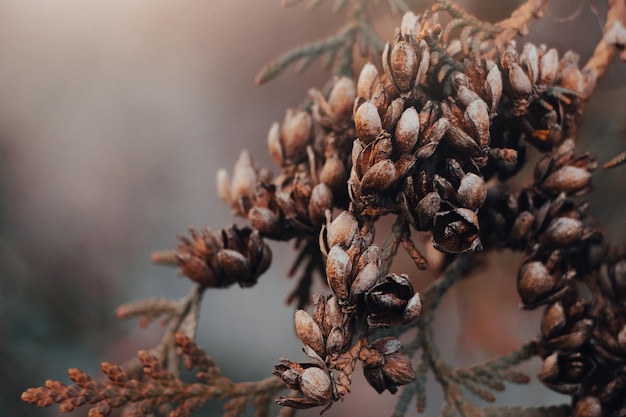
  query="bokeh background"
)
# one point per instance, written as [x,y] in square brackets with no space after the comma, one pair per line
[115,116]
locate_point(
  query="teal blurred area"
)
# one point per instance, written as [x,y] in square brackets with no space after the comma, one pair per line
[114,118]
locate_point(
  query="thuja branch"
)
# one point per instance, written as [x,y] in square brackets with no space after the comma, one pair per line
[158,388]
[181,316]
[338,48]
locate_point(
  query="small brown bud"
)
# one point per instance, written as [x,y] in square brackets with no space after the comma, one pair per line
[568,179]
[364,281]
[274,144]
[341,98]
[548,66]
[234,264]
[478,115]
[530,62]
[321,200]
[338,272]
[466,96]
[493,85]
[534,283]
[426,210]
[410,25]
[223,186]
[463,142]
[244,177]
[333,173]
[407,130]
[265,221]
[379,177]
[553,321]
[472,191]
[393,114]
[587,407]
[413,309]
[342,230]
[333,316]
[295,135]
[522,226]
[570,76]
[367,122]
[309,332]
[366,82]
[400,65]
[385,367]
[521,86]
[316,386]
[562,232]
[432,136]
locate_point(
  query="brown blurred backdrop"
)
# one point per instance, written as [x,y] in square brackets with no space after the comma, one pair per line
[115,116]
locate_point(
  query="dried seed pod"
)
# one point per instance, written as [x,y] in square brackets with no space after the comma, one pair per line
[320,201]
[424,61]
[463,142]
[548,66]
[341,98]
[244,179]
[574,336]
[393,114]
[364,281]
[493,85]
[413,309]
[274,144]
[316,386]
[295,135]
[472,191]
[562,232]
[466,96]
[385,367]
[309,332]
[522,226]
[265,221]
[234,264]
[400,65]
[478,115]
[456,231]
[570,76]
[342,230]
[367,122]
[223,186]
[568,179]
[387,302]
[338,267]
[333,316]
[530,62]
[553,320]
[379,177]
[431,138]
[368,78]
[564,372]
[407,130]
[521,86]
[426,210]
[587,407]
[380,99]
[333,173]
[535,283]
[410,25]
[336,340]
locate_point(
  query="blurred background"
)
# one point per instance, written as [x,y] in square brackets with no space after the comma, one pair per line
[114,118]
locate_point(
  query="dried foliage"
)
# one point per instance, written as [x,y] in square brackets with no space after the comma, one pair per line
[430,131]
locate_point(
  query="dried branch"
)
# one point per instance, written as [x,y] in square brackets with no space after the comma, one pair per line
[159,387]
